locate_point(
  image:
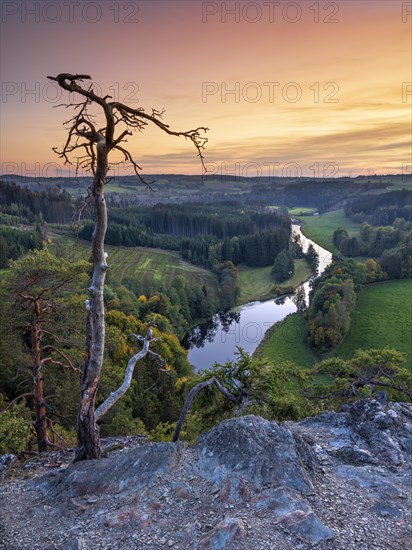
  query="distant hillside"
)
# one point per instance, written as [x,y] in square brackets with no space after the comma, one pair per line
[177,188]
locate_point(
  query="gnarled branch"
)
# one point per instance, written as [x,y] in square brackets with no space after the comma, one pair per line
[67,365]
[196,389]
[121,390]
[115,112]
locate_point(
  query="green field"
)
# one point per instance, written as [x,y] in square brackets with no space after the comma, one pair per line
[383,317]
[302,211]
[163,265]
[125,263]
[320,228]
[256,282]
[285,342]
[116,188]
[297,210]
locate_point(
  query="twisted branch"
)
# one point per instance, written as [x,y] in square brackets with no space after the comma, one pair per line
[121,390]
[115,112]
[196,389]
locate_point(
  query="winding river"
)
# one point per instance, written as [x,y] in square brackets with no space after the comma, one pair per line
[244,326]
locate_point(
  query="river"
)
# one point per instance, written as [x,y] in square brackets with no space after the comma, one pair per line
[244,326]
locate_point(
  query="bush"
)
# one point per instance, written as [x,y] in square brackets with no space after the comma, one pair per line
[14,428]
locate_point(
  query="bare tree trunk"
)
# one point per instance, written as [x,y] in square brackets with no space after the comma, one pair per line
[88,441]
[83,134]
[39,404]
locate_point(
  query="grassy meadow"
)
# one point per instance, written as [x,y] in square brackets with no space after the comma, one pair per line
[382,318]
[285,341]
[320,228]
[160,266]
[302,211]
[256,282]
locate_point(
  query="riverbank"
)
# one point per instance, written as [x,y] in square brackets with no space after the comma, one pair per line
[320,228]
[257,283]
[219,339]
[381,319]
[285,341]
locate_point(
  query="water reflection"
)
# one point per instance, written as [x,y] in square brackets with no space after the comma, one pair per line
[226,319]
[281,300]
[245,326]
[206,332]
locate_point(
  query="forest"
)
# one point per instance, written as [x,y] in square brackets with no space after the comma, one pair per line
[381,209]
[205,235]
[391,243]
[322,194]
[220,236]
[21,205]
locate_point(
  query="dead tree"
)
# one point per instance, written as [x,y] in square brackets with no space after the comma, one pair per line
[96,143]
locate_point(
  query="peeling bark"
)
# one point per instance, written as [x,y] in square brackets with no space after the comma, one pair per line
[121,390]
[88,443]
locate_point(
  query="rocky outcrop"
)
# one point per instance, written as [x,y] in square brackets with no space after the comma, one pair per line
[255,451]
[337,480]
[5,462]
[366,432]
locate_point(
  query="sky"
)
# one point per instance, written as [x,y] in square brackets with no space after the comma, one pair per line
[306,88]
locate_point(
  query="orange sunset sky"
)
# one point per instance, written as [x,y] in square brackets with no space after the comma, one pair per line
[324,88]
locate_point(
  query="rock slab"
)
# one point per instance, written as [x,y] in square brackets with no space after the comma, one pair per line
[335,481]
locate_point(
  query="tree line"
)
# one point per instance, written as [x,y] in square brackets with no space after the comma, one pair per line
[333,297]
[284,266]
[382,209]
[205,235]
[15,243]
[318,193]
[391,246]
[20,205]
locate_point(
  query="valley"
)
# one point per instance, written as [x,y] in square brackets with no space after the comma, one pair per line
[229,285]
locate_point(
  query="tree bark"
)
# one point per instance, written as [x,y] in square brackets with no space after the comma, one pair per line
[82,134]
[39,404]
[88,441]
